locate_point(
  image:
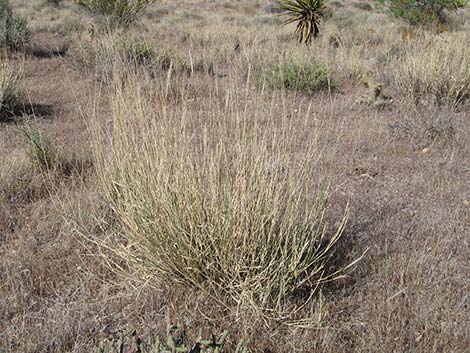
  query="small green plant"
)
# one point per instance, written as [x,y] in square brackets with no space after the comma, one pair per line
[307,14]
[416,12]
[122,12]
[14,33]
[176,342]
[9,89]
[309,77]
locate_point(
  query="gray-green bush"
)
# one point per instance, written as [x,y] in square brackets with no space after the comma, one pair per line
[310,76]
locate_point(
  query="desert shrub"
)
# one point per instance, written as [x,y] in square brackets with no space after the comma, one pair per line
[220,204]
[309,77]
[13,30]
[10,79]
[422,12]
[436,69]
[119,11]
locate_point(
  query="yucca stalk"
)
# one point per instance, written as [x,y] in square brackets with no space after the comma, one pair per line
[307,14]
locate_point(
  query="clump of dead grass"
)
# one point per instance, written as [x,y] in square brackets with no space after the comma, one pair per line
[434,69]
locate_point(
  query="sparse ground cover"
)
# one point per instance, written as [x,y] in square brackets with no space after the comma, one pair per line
[187,169]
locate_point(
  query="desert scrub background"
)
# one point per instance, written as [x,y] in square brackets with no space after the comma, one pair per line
[401,167]
[217,200]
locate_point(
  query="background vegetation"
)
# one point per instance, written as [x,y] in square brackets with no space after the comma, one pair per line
[192,168]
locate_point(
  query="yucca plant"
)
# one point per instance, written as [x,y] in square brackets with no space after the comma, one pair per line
[307,14]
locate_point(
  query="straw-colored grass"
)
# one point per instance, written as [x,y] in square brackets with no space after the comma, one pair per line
[216,199]
[436,68]
[10,78]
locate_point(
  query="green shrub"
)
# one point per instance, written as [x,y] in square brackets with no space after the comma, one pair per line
[422,11]
[9,89]
[308,77]
[13,30]
[119,11]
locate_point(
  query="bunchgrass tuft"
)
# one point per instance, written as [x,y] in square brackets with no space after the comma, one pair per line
[10,79]
[437,69]
[218,200]
[38,147]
